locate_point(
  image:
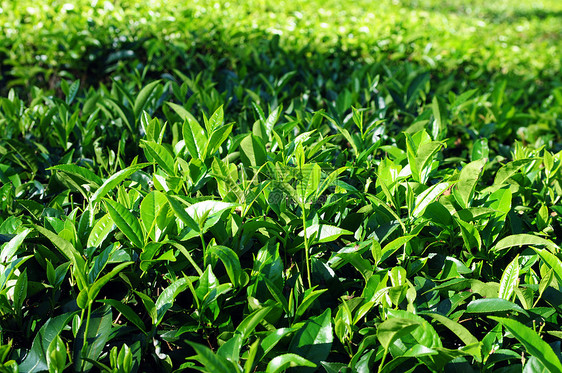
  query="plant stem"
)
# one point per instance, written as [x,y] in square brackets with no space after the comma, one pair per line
[204,250]
[382,360]
[306,246]
[89,315]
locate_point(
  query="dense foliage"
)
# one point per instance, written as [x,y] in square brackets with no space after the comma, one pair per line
[318,186]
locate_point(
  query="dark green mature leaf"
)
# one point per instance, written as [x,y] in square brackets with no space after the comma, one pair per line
[230,260]
[99,283]
[99,330]
[460,331]
[36,359]
[69,252]
[126,311]
[532,342]
[166,299]
[211,361]
[313,340]
[126,222]
[142,98]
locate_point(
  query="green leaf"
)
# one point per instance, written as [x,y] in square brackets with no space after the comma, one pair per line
[532,342]
[126,311]
[150,207]
[211,361]
[69,252]
[195,138]
[272,119]
[464,189]
[216,120]
[56,355]
[114,180]
[274,337]
[217,138]
[470,235]
[36,359]
[252,151]
[149,306]
[161,155]
[428,196]
[100,231]
[230,260]
[72,91]
[166,299]
[249,324]
[182,112]
[510,169]
[391,247]
[181,213]
[313,340]
[420,154]
[480,150]
[425,334]
[99,283]
[553,262]
[460,331]
[10,248]
[492,305]
[394,328]
[200,211]
[81,172]
[308,300]
[509,279]
[439,109]
[283,362]
[99,330]
[126,222]
[523,239]
[324,233]
[20,292]
[142,98]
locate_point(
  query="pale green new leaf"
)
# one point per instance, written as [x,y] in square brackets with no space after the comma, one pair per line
[509,279]
[114,180]
[464,189]
[283,362]
[100,231]
[161,155]
[523,239]
[324,233]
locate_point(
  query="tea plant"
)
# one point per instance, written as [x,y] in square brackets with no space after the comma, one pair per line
[280,186]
